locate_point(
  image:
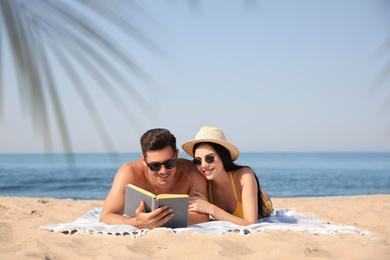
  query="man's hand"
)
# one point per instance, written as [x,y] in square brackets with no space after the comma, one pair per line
[156,218]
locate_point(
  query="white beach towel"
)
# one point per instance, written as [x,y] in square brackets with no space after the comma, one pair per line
[281,219]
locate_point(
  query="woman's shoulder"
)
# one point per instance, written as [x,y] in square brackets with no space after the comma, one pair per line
[243,171]
[244,174]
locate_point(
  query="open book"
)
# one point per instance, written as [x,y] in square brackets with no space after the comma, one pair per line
[177,202]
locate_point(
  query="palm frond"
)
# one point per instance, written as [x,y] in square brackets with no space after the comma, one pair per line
[382,80]
[71,32]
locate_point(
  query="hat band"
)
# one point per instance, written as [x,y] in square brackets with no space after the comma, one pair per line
[210,137]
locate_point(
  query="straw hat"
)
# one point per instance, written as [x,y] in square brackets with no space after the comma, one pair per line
[212,135]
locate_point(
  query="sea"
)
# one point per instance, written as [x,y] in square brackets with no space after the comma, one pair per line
[90,176]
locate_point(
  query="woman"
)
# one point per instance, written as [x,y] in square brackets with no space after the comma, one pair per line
[234,191]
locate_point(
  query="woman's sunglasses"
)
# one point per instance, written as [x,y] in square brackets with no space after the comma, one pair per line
[157,166]
[208,159]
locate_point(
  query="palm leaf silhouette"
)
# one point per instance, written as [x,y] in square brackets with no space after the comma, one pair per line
[70,32]
[382,79]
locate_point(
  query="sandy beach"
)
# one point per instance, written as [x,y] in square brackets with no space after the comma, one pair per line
[21,238]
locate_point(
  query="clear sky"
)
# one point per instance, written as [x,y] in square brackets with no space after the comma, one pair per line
[274,75]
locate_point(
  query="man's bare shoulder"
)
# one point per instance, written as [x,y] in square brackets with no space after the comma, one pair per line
[187,169]
[185,166]
[191,177]
[131,170]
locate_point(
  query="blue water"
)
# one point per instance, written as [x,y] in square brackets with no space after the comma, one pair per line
[89,176]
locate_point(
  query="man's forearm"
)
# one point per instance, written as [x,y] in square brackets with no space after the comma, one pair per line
[115,219]
[196,218]
[153,219]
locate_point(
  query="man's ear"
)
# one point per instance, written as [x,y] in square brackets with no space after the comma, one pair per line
[143,159]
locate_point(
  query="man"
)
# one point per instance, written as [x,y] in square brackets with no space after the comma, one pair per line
[158,171]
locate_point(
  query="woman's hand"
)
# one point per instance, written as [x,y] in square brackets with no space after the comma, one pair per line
[199,203]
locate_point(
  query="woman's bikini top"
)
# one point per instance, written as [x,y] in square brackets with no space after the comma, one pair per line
[239,212]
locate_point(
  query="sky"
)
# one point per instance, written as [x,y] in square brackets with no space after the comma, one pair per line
[275,76]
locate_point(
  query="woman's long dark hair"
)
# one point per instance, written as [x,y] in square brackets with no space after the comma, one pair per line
[229,165]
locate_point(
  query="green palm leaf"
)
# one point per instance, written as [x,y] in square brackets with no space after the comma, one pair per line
[71,32]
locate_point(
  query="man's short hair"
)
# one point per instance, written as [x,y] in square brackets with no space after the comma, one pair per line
[157,139]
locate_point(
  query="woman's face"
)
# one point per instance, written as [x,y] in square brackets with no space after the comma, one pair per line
[210,163]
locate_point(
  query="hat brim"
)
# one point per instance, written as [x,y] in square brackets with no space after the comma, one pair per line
[188,147]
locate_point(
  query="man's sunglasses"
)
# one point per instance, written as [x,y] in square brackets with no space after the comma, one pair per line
[157,166]
[208,159]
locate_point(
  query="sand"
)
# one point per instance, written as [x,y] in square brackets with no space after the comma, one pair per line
[21,238]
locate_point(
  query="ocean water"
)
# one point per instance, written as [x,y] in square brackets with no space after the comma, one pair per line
[89,176]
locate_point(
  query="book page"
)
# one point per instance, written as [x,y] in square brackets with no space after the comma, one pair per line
[161,196]
[141,190]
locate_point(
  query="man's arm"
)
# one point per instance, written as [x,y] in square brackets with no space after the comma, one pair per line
[113,208]
[200,185]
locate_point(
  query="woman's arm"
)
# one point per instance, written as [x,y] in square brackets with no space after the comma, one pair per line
[199,186]
[199,203]
[249,196]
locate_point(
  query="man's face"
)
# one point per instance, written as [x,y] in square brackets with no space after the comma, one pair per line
[162,176]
